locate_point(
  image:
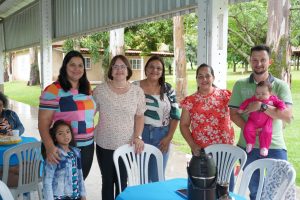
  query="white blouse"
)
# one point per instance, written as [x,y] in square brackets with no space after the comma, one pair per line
[116,115]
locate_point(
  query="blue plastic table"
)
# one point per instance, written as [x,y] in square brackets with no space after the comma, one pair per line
[14,160]
[165,190]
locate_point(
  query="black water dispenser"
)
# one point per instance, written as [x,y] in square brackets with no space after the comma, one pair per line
[202,177]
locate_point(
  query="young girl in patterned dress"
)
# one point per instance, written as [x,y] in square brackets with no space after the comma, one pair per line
[63,180]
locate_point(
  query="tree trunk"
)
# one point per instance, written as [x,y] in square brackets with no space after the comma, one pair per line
[116,44]
[180,57]
[34,77]
[234,66]
[277,38]
[8,67]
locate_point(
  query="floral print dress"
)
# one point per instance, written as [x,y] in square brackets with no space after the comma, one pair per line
[210,119]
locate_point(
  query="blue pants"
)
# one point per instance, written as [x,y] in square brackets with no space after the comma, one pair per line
[255,155]
[153,135]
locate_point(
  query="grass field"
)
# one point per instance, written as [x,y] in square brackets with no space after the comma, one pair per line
[30,95]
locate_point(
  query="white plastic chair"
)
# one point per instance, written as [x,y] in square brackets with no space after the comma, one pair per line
[226,157]
[276,178]
[29,157]
[5,192]
[137,164]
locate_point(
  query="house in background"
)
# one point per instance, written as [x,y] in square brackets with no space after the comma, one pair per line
[296,57]
[95,71]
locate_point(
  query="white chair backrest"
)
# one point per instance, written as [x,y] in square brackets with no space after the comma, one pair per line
[226,157]
[29,157]
[137,164]
[275,178]
[5,192]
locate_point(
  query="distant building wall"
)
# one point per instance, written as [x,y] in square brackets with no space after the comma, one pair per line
[95,71]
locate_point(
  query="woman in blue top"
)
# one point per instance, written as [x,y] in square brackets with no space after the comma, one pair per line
[162,114]
[9,120]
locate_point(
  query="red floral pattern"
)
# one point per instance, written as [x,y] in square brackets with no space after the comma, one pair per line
[210,119]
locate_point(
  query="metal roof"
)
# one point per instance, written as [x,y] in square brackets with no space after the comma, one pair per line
[20,20]
[9,7]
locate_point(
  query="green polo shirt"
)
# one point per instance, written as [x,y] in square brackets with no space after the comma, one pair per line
[245,88]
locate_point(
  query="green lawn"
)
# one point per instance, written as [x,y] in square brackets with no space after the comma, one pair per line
[19,91]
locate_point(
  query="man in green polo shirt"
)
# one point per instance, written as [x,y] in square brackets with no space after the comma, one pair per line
[245,88]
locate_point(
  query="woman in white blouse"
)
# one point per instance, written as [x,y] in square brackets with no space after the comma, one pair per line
[121,107]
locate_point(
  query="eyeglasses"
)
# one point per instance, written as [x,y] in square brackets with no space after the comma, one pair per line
[201,77]
[122,67]
[152,68]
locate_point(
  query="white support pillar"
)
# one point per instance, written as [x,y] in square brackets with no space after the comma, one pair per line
[46,43]
[212,37]
[116,42]
[2,48]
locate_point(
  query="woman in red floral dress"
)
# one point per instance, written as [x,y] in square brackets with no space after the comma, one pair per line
[205,118]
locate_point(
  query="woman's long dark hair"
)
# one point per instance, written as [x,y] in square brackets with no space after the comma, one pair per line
[161,80]
[84,84]
[53,131]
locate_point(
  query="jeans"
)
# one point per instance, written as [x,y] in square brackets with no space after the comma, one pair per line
[110,187]
[87,155]
[255,155]
[153,135]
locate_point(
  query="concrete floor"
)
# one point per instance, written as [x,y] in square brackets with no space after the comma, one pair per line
[176,167]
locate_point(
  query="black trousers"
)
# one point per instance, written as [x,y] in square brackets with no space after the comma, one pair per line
[110,188]
[87,155]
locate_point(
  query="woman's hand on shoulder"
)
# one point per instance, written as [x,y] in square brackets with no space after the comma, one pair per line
[53,155]
[138,144]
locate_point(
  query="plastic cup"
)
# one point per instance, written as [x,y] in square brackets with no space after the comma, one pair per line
[15,132]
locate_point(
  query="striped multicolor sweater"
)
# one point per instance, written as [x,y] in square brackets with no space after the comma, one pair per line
[74,108]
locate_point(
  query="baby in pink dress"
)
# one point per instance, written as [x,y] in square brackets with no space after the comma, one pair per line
[258,120]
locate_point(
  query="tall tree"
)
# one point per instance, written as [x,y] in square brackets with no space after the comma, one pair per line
[34,77]
[180,57]
[149,36]
[295,23]
[278,37]
[191,37]
[247,26]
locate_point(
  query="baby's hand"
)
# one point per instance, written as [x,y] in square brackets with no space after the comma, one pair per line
[83,198]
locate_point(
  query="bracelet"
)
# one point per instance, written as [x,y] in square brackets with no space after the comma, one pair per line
[139,137]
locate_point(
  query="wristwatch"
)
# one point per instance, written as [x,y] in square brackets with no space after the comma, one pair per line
[140,137]
[263,107]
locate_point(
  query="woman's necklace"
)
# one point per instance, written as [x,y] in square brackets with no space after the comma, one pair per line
[119,87]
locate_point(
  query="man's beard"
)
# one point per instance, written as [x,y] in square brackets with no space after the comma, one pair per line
[259,73]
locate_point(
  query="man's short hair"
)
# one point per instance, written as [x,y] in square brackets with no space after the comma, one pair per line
[261,47]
